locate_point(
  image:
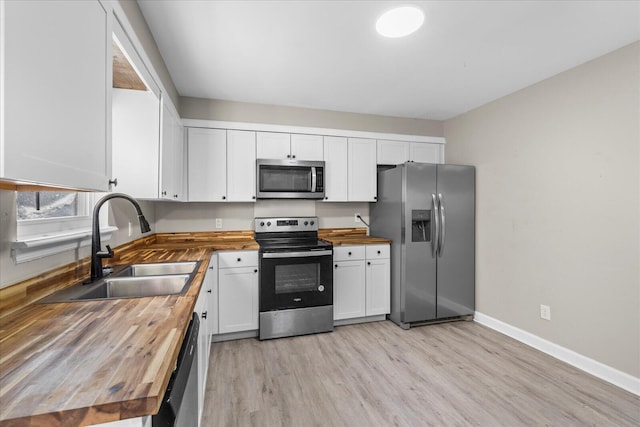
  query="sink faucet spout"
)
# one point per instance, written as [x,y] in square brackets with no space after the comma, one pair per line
[96,250]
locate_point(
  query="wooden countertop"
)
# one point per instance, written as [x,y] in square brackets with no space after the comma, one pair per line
[73,364]
[350,236]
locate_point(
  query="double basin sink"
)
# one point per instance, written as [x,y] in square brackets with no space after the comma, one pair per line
[133,281]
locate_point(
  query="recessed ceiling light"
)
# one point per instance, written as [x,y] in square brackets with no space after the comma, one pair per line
[400,22]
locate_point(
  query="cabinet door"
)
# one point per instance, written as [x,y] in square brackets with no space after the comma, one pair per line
[392,152]
[57,62]
[336,166]
[135,142]
[272,145]
[204,340]
[378,287]
[207,165]
[424,152]
[307,147]
[348,290]
[171,156]
[179,171]
[238,299]
[241,163]
[362,169]
[212,294]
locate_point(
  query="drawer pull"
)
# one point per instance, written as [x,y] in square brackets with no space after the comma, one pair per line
[209,291]
[369,263]
[204,315]
[239,259]
[349,253]
[378,252]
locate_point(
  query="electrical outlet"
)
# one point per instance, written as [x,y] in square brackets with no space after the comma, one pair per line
[218,222]
[130,229]
[355,217]
[545,312]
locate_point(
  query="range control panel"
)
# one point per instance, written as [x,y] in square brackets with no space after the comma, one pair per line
[274,225]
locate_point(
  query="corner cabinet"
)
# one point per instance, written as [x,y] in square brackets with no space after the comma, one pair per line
[361,283]
[56,84]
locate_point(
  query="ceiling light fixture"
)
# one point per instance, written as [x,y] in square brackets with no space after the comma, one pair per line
[400,22]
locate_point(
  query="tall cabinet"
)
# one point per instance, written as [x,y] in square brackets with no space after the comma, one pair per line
[56,83]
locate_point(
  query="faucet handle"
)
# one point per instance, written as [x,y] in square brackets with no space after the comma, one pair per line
[107,254]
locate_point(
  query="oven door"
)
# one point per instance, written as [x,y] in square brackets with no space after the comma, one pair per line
[295,279]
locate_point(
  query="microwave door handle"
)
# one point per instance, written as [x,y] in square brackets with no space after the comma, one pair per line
[314,178]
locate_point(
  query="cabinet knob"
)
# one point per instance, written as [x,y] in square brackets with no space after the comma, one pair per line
[113,182]
[336,266]
[164,193]
[210,267]
[224,197]
[378,252]
[204,315]
[375,197]
[368,262]
[253,197]
[175,196]
[294,156]
[239,259]
[255,270]
[288,156]
[209,291]
[326,198]
[349,253]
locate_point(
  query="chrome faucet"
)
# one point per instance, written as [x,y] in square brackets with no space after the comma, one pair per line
[96,253]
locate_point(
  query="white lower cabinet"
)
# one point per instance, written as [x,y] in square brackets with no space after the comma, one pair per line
[204,310]
[361,281]
[237,292]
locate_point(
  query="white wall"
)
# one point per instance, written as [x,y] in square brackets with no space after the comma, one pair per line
[120,214]
[558,189]
[175,217]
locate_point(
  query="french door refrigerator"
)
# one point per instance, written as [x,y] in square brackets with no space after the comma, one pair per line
[428,212]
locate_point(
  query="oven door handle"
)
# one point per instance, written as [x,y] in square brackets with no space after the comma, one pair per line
[303,254]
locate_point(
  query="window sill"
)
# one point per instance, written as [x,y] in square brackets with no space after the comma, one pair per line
[29,248]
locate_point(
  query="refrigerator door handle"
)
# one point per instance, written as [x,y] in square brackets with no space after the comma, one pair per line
[443,227]
[435,219]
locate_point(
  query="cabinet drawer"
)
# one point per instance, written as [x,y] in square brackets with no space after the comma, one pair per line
[377,251]
[346,253]
[238,259]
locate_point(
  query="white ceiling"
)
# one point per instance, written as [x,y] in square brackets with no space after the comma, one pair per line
[327,55]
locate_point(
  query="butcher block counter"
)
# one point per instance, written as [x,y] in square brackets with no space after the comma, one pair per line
[88,362]
[350,236]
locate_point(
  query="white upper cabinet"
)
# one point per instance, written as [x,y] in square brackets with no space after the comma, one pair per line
[392,152]
[426,153]
[221,165]
[336,169]
[362,170]
[207,165]
[307,147]
[56,73]
[241,166]
[273,145]
[135,141]
[172,176]
[397,152]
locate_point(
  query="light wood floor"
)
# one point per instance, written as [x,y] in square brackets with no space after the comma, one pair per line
[376,374]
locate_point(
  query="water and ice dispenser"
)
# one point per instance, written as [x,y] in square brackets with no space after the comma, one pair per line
[421,225]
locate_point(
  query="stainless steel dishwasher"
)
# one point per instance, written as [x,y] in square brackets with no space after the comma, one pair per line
[180,402]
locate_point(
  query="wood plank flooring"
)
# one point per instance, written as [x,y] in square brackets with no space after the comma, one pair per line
[376,374]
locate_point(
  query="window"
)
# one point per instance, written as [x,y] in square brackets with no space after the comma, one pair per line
[51,222]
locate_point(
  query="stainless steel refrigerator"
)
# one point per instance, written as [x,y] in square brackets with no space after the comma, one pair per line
[428,211]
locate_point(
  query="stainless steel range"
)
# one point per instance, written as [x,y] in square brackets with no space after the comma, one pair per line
[296,277]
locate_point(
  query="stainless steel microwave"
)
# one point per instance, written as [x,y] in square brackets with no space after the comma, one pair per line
[289,179]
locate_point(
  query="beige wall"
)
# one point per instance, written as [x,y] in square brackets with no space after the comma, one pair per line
[137,21]
[558,219]
[213,109]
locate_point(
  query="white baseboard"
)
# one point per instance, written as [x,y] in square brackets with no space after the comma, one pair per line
[593,367]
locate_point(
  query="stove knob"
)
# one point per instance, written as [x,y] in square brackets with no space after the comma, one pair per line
[306,223]
[321,288]
[268,223]
[261,223]
[313,222]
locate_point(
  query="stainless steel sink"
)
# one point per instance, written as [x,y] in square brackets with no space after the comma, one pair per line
[157,269]
[133,281]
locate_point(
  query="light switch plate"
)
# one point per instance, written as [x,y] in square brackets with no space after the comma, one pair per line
[545,312]
[218,222]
